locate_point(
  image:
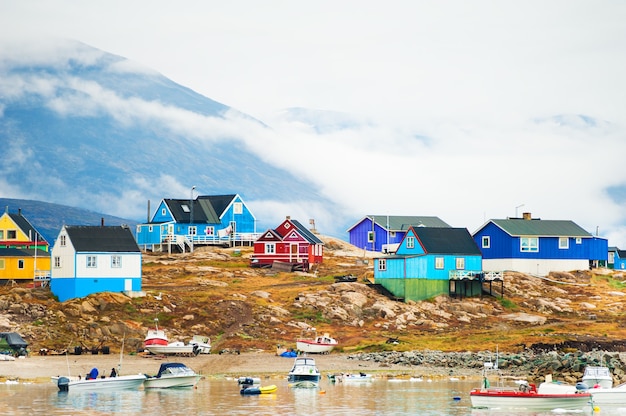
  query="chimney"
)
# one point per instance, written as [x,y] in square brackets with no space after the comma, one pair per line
[527,216]
[289,217]
[102,222]
[19,212]
[148,216]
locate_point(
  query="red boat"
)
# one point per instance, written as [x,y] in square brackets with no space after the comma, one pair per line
[528,397]
[155,336]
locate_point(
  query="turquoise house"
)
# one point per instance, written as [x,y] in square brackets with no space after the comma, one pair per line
[426,261]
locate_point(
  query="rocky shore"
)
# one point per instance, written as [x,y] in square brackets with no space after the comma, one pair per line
[533,366]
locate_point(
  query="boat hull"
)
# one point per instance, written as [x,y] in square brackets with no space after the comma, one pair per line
[612,396]
[314,347]
[166,382]
[246,391]
[172,349]
[503,399]
[130,382]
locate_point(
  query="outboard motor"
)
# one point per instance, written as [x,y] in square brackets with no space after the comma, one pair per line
[63,383]
[247,381]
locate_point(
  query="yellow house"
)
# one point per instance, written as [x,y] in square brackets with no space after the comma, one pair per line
[23,251]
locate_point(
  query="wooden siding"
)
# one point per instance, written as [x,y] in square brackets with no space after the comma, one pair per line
[358,236]
[9,269]
[415,289]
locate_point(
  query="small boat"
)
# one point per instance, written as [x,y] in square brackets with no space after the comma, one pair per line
[310,342]
[597,376]
[172,375]
[202,342]
[339,378]
[155,336]
[174,348]
[609,396]
[252,390]
[248,381]
[304,373]
[92,382]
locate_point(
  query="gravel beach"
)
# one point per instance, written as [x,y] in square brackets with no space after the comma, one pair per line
[40,368]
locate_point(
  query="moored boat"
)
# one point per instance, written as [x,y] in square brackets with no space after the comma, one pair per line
[304,373]
[172,375]
[609,396]
[310,342]
[252,390]
[94,383]
[597,376]
[339,378]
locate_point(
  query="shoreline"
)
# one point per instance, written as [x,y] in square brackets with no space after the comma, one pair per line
[40,369]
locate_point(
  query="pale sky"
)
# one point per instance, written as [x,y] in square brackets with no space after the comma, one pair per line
[460,97]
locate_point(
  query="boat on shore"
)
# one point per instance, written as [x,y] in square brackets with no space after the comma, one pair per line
[304,373]
[174,348]
[597,376]
[155,336]
[310,342]
[172,375]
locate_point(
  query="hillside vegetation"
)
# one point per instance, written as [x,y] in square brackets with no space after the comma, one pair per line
[213,292]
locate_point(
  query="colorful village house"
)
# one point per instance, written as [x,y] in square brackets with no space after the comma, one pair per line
[181,224]
[94,259]
[426,260]
[537,247]
[384,232]
[616,259]
[290,243]
[24,252]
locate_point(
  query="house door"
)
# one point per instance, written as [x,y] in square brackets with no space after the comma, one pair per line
[128,285]
[293,252]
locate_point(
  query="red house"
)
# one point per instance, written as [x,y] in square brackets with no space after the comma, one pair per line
[290,243]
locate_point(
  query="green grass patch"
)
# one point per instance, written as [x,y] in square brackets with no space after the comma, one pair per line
[508,304]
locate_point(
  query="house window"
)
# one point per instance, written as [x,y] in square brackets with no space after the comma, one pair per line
[163,212]
[11,234]
[579,240]
[116,262]
[192,230]
[91,261]
[138,229]
[62,241]
[563,242]
[1,234]
[370,236]
[238,208]
[460,263]
[209,230]
[150,228]
[392,234]
[20,264]
[1,264]
[185,208]
[410,242]
[529,244]
[287,225]
[57,262]
[486,241]
[382,265]
[439,263]
[270,248]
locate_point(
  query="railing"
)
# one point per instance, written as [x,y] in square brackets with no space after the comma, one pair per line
[213,239]
[474,275]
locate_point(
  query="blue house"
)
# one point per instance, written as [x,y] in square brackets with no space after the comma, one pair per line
[426,260]
[93,259]
[384,232]
[534,246]
[616,259]
[206,220]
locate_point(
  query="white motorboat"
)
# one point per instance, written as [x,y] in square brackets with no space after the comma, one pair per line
[304,373]
[202,342]
[155,336]
[172,375]
[92,382]
[597,376]
[348,378]
[174,348]
[611,396]
[310,342]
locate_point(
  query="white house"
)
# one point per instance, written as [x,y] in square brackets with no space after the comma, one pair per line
[92,259]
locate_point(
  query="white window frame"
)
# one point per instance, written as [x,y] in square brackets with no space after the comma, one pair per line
[370,236]
[563,243]
[460,263]
[62,240]
[439,263]
[238,208]
[579,240]
[57,262]
[382,265]
[529,244]
[163,212]
[193,230]
[410,242]
[209,230]
[92,262]
[486,241]
[116,262]
[270,248]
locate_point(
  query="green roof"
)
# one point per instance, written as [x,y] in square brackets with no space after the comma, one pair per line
[403,222]
[545,228]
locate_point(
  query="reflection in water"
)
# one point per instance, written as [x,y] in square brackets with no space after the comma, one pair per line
[221,397]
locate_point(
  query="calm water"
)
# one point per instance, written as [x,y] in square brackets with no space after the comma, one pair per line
[221,397]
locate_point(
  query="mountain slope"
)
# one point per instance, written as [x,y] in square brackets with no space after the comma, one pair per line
[93,130]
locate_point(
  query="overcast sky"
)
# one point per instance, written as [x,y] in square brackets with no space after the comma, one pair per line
[472,109]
